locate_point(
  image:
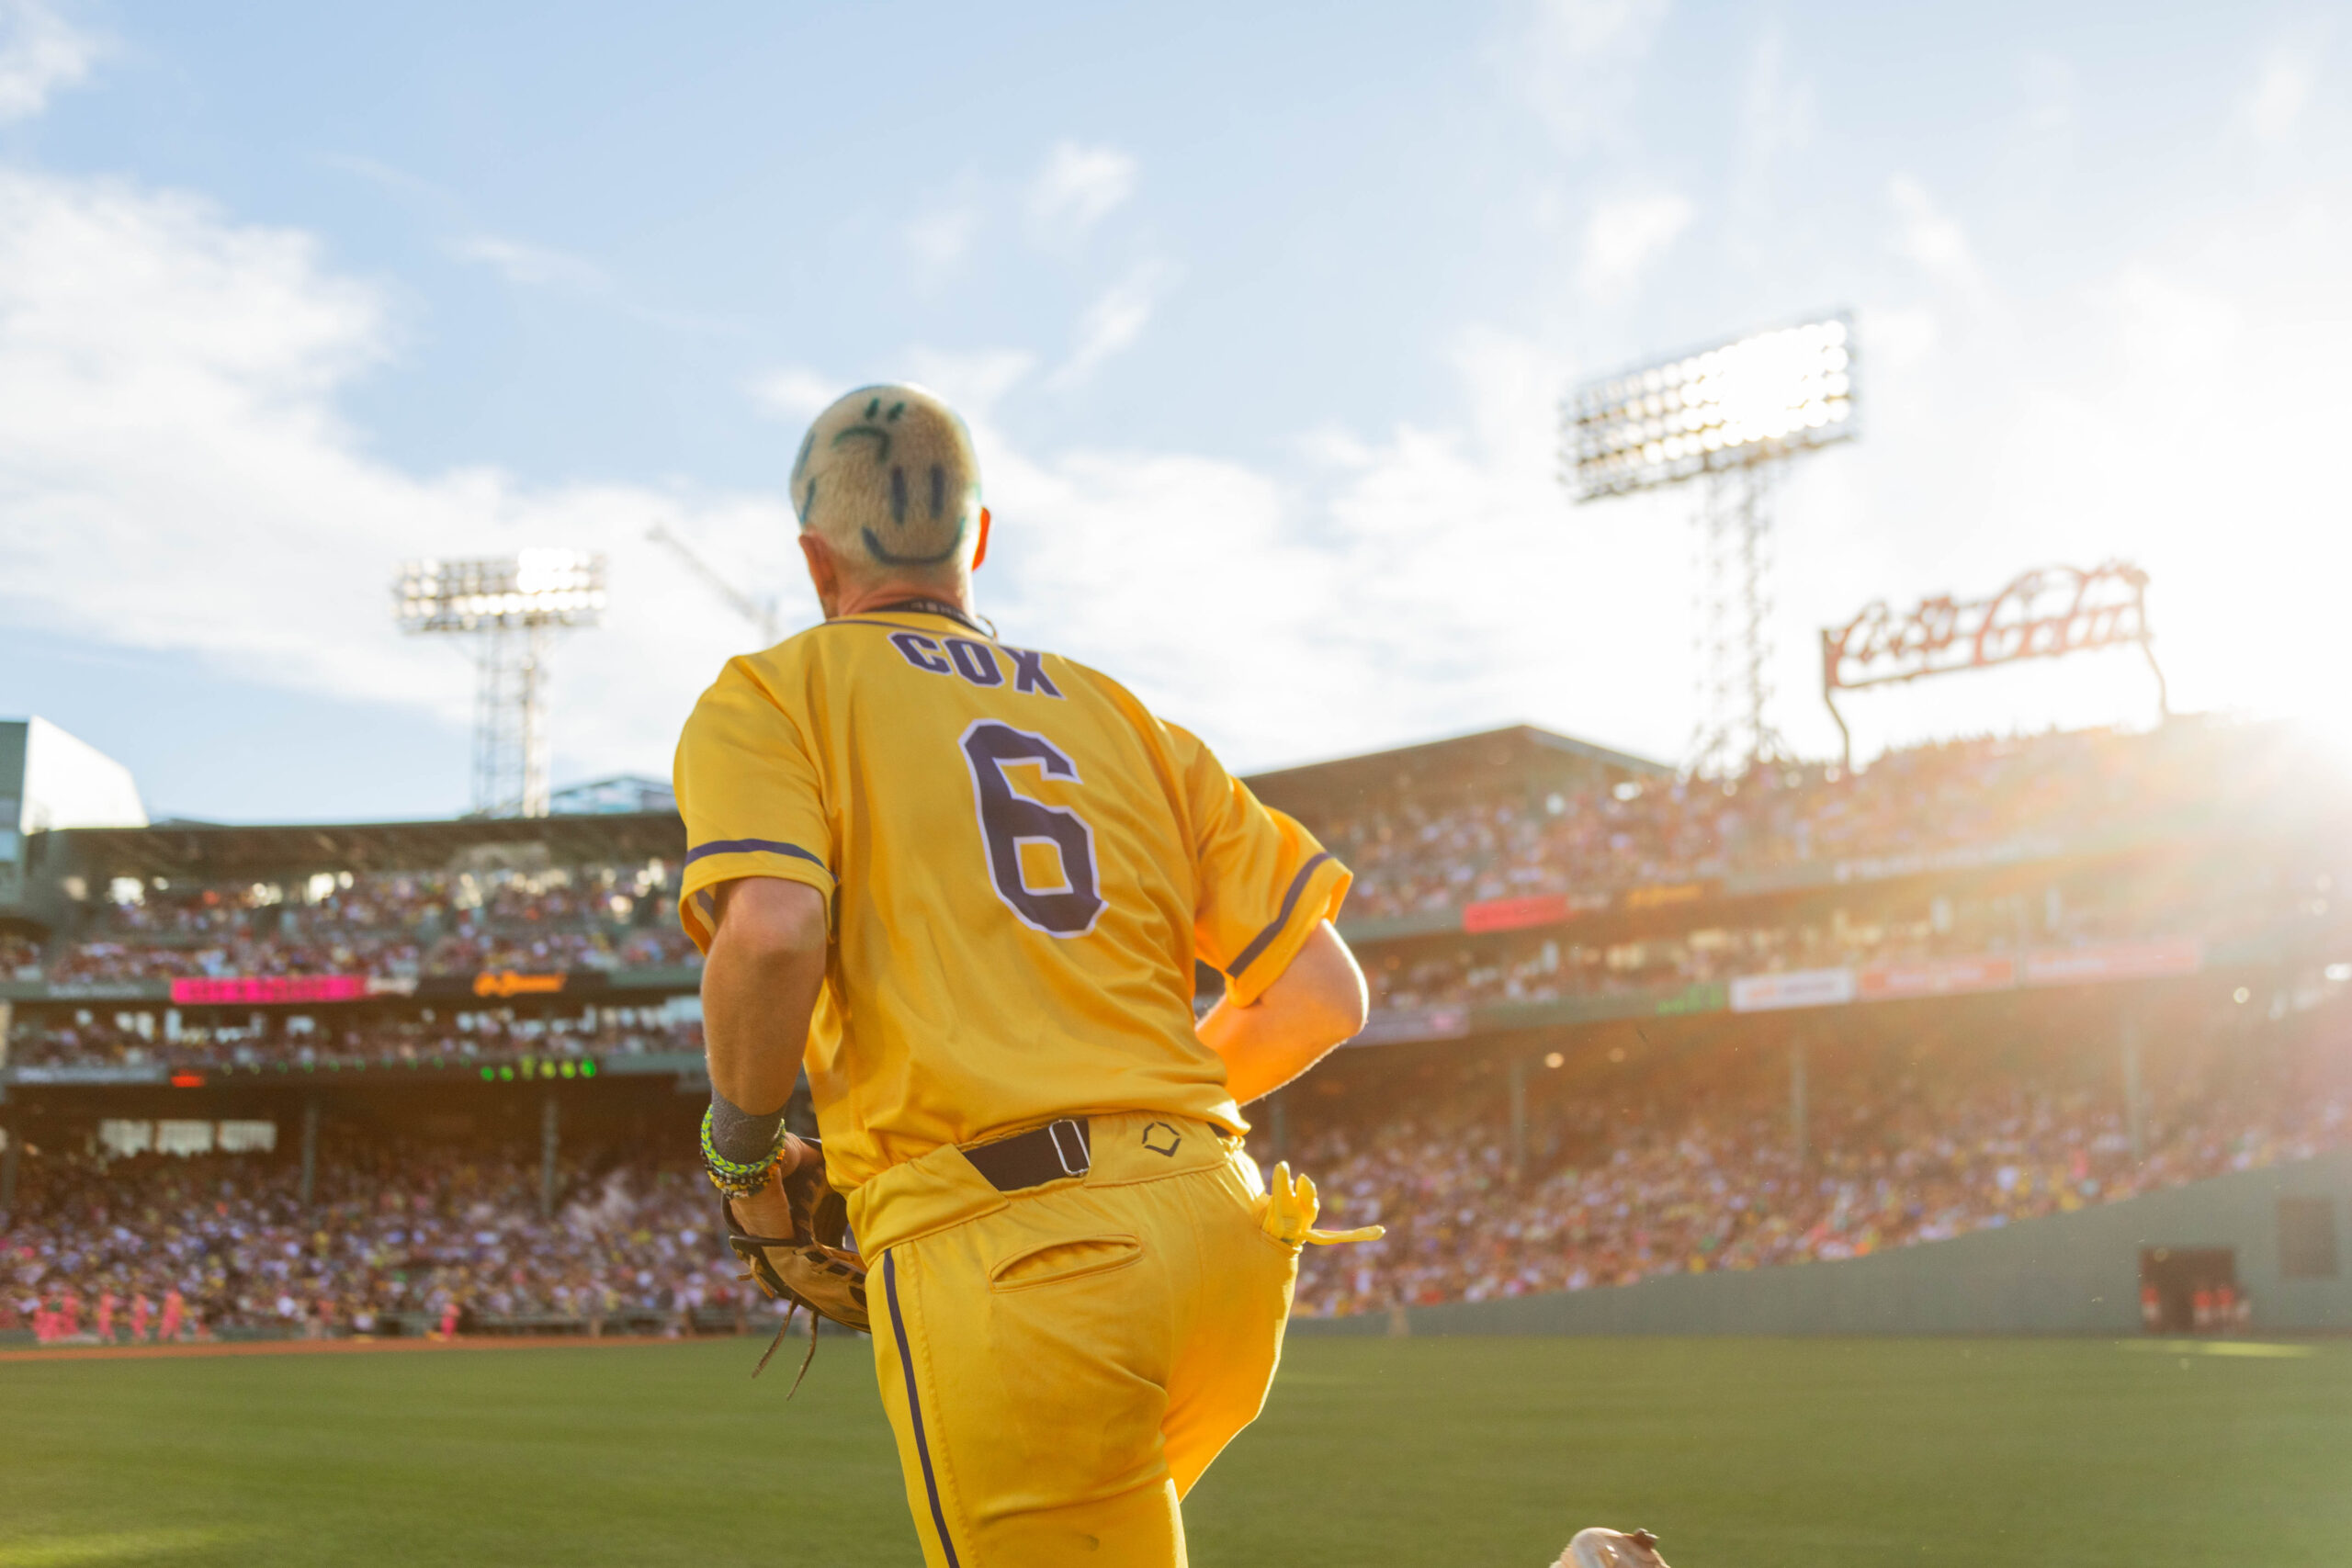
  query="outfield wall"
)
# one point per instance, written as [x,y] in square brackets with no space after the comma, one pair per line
[2076,1273]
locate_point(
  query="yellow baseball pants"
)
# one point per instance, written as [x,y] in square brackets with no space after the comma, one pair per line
[1061,1364]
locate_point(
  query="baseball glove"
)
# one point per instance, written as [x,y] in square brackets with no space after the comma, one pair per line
[809,1267]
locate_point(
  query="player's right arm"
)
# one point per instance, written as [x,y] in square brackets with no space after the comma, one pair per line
[1267,894]
[760,982]
[758,876]
[1316,1002]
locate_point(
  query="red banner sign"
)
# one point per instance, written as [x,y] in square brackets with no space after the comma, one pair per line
[238,990]
[1537,909]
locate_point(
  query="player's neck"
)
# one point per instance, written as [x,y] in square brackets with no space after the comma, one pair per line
[857,600]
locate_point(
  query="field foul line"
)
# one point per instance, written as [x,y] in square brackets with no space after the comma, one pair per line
[122,1546]
[2216,1348]
[328,1347]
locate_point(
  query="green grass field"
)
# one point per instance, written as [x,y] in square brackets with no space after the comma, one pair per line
[1460,1453]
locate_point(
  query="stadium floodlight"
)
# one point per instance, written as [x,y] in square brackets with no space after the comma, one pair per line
[1733,415]
[1750,401]
[512,606]
[555,588]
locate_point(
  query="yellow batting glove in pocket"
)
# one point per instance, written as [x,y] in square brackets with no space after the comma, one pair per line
[1287,1214]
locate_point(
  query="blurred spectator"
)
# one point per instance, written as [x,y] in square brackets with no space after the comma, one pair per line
[390,925]
[1409,856]
[19,957]
[2235,898]
[219,1241]
[85,1038]
[1686,1172]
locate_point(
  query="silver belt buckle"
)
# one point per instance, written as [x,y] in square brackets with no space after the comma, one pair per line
[1085,1161]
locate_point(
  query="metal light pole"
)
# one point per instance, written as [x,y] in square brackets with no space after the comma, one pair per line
[512,606]
[1732,415]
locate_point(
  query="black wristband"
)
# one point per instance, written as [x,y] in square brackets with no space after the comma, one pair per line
[738,1135]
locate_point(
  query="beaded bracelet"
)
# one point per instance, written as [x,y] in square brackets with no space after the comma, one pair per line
[739,1178]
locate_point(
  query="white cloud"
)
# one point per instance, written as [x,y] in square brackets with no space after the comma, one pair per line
[2280,93]
[1934,240]
[1114,321]
[1776,109]
[176,478]
[376,171]
[1077,187]
[40,52]
[1623,235]
[167,381]
[2053,90]
[2167,327]
[175,475]
[972,383]
[1429,580]
[940,235]
[531,266]
[795,394]
[1575,64]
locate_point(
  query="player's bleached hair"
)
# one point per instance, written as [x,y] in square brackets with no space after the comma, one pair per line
[887,477]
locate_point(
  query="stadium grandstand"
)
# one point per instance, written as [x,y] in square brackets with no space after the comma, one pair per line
[397,1077]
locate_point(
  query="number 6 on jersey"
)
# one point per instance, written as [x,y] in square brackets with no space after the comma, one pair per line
[1011,821]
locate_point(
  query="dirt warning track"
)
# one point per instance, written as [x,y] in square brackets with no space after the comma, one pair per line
[325,1346]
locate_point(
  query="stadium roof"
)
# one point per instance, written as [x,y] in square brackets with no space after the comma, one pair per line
[208,851]
[622,794]
[1521,754]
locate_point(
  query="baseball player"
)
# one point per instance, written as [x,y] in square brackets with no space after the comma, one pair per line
[965,885]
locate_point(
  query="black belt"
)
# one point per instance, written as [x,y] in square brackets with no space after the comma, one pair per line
[1055,1152]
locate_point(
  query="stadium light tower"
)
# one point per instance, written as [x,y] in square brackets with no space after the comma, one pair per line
[1731,416]
[512,606]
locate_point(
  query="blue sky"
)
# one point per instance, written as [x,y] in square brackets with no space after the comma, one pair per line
[1259,314]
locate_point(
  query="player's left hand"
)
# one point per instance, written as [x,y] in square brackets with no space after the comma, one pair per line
[1287,1212]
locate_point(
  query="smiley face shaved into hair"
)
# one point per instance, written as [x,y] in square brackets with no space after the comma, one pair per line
[888,474]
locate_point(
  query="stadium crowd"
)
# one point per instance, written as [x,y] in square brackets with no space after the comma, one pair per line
[2246,897]
[2219,902]
[1411,856]
[384,925]
[1636,1169]
[400,1238]
[1680,1171]
[87,1038]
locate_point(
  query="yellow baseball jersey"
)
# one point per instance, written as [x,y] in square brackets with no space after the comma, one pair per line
[1020,863]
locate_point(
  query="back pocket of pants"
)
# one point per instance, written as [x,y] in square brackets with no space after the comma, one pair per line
[1074,1259]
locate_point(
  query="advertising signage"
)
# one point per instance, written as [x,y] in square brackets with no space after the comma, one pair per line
[243,990]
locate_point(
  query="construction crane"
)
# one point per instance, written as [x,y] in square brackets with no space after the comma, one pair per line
[761,613]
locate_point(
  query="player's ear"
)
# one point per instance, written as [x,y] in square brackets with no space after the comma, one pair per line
[981,553]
